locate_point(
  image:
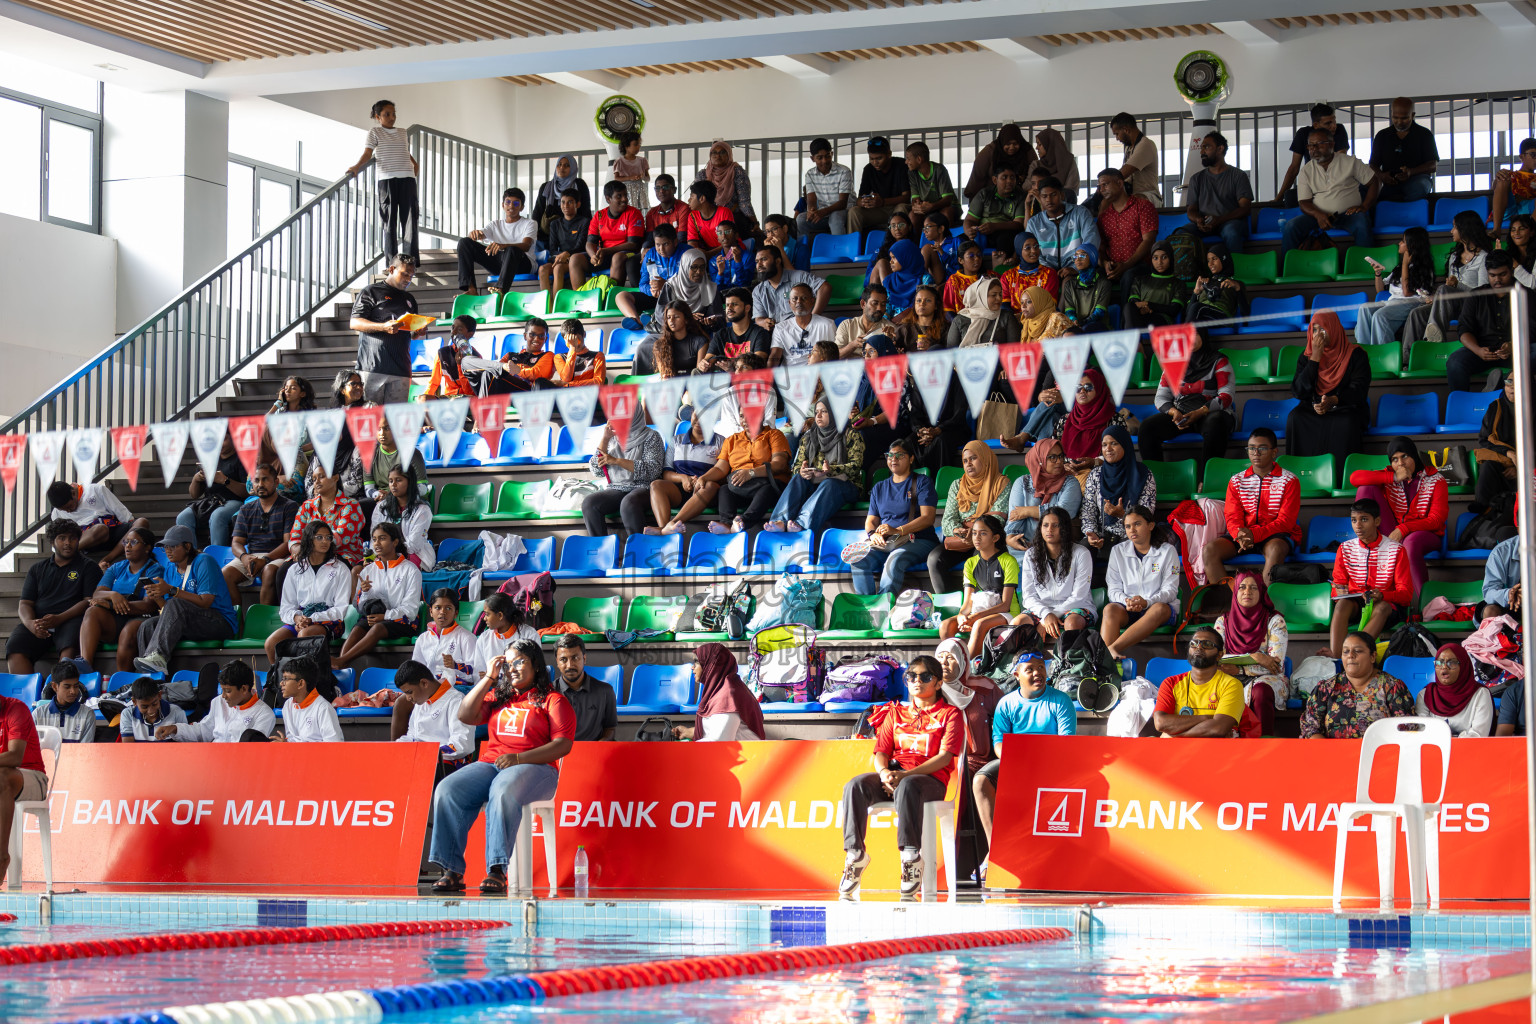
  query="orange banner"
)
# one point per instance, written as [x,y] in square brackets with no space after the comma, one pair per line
[1240,818]
[238,813]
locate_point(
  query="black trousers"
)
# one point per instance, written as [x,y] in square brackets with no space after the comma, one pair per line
[911,793]
[752,500]
[940,561]
[397,207]
[634,508]
[507,264]
[1215,430]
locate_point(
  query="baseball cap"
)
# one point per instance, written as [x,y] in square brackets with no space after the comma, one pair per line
[179,534]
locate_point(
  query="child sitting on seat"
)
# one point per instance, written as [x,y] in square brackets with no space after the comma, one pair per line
[238,717]
[141,721]
[447,649]
[388,596]
[431,714]
[67,712]
[307,716]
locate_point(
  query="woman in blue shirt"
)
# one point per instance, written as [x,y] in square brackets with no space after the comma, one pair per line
[899,526]
[119,598]
[193,603]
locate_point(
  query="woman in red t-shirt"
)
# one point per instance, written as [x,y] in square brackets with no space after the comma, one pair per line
[531,727]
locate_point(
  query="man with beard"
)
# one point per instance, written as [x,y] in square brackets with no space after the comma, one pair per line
[1204,701]
[1219,197]
[593,701]
[740,334]
[775,279]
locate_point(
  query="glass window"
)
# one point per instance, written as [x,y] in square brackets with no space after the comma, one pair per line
[71,160]
[276,203]
[49,83]
[21,125]
[241,204]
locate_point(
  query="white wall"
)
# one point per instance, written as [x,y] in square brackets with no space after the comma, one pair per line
[58,290]
[283,136]
[482,111]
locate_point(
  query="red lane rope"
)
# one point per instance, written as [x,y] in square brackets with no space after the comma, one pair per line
[577,980]
[7,918]
[165,942]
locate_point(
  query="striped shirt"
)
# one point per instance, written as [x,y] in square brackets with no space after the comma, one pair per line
[1267,506]
[1218,387]
[1428,508]
[1359,567]
[830,187]
[391,151]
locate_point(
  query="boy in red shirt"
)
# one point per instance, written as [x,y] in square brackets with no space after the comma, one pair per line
[615,233]
[915,749]
[1373,566]
[22,774]
[1263,511]
[704,217]
[531,726]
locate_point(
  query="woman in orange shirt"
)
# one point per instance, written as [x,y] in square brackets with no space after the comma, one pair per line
[580,365]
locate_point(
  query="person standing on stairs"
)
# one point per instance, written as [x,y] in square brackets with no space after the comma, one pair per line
[383,350]
[397,180]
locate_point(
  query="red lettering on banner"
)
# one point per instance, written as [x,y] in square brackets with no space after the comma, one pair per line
[363,421]
[1174,346]
[1021,362]
[129,442]
[754,389]
[245,434]
[618,401]
[490,413]
[887,378]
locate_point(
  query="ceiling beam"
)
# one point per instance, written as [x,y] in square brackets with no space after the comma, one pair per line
[1508,15]
[1023,50]
[805,66]
[105,47]
[593,83]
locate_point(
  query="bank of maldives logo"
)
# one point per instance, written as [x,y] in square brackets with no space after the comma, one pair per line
[1059,812]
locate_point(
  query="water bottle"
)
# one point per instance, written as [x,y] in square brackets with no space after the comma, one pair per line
[581,872]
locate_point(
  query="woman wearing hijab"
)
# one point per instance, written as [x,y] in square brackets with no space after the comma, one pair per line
[1256,643]
[983,319]
[567,175]
[733,186]
[1413,498]
[981,490]
[937,439]
[625,472]
[1456,696]
[1157,298]
[1085,292]
[1333,384]
[976,697]
[1056,156]
[1082,430]
[1029,273]
[825,477]
[906,274]
[1007,149]
[897,228]
[692,287]
[868,416]
[1218,294]
[1495,451]
[1203,401]
[727,709]
[1048,484]
[1114,485]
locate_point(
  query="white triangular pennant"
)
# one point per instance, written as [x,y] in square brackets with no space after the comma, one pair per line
[535,409]
[708,391]
[932,371]
[1116,353]
[448,420]
[286,429]
[84,446]
[325,427]
[170,446]
[798,386]
[1068,358]
[208,442]
[405,421]
[47,447]
[576,408]
[977,369]
[840,379]
[662,400]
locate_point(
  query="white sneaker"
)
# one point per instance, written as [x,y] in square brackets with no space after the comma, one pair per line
[853,870]
[1433,333]
[150,664]
[911,877]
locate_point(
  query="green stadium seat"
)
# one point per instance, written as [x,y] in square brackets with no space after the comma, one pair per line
[469,611]
[1213,481]
[1255,268]
[1426,359]
[654,611]
[1305,606]
[261,621]
[1386,360]
[1313,472]
[635,378]
[1249,365]
[481,307]
[1310,266]
[857,617]
[1285,364]
[569,303]
[596,615]
[463,503]
[1014,470]
[1438,254]
[1147,373]
[947,605]
[524,305]
[1175,480]
[1456,592]
[846,289]
[1356,461]
[612,307]
[353,617]
[1355,267]
[415,392]
[946,479]
[518,499]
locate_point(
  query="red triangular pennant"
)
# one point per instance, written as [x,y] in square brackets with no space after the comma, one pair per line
[129,444]
[1174,345]
[754,390]
[1021,362]
[245,433]
[11,448]
[490,413]
[618,401]
[363,421]
[887,378]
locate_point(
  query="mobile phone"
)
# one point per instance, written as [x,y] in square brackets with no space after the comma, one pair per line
[1376,265]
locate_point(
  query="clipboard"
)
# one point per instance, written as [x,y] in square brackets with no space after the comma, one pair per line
[410,323]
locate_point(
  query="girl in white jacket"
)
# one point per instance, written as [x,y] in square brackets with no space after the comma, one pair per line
[447,648]
[316,592]
[1056,578]
[402,505]
[388,596]
[1142,583]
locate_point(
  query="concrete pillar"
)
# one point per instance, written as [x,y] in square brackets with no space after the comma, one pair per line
[164,193]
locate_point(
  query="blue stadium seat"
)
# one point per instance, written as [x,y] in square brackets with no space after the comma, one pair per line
[449,548]
[1406,414]
[1168,223]
[872,242]
[25,687]
[562,447]
[829,248]
[520,448]
[587,556]
[1270,225]
[1159,669]
[538,556]
[1287,314]
[658,690]
[1265,412]
[1446,210]
[423,352]
[471,450]
[650,556]
[1322,531]
[346,679]
[509,341]
[92,683]
[372,680]
[829,551]
[1462,554]
[427,445]
[622,343]
[773,553]
[1416,672]
[1347,306]
[714,554]
[1464,411]
[613,675]
[1397,216]
[121,679]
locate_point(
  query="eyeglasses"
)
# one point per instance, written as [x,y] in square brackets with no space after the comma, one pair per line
[1055,457]
[518,663]
[922,677]
[896,455]
[1205,645]
[1447,663]
[1258,449]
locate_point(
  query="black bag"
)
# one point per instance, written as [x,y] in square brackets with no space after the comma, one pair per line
[1084,669]
[1412,640]
[316,649]
[654,730]
[1001,647]
[1305,574]
[720,610]
[534,595]
[1454,463]
[1490,526]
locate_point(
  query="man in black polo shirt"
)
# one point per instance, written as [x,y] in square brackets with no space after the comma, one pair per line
[596,706]
[53,598]
[739,335]
[1487,335]
[384,353]
[1405,155]
[260,538]
[883,190]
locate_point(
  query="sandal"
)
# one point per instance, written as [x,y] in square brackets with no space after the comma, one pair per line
[494,883]
[449,882]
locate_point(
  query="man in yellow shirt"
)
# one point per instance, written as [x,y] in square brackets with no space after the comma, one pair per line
[1204,701]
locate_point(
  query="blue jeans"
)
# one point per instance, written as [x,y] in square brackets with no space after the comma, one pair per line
[834,223]
[1298,228]
[889,568]
[1234,233]
[1420,186]
[1461,364]
[503,794]
[221,524]
[1042,419]
[812,505]
[1380,326]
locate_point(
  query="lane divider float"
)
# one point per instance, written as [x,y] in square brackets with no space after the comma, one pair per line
[7,918]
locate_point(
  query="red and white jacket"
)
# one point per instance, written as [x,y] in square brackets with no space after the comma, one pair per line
[1382,566]
[1430,504]
[1269,506]
[1218,388]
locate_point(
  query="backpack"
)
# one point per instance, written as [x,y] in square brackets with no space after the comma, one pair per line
[1307,573]
[566,494]
[654,730]
[316,649]
[786,664]
[1001,647]
[870,680]
[1412,640]
[1490,526]
[1188,255]
[1085,670]
[720,609]
[913,610]
[797,599]
[534,595]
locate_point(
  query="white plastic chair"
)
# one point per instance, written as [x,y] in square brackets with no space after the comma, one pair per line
[50,739]
[1420,819]
[522,853]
